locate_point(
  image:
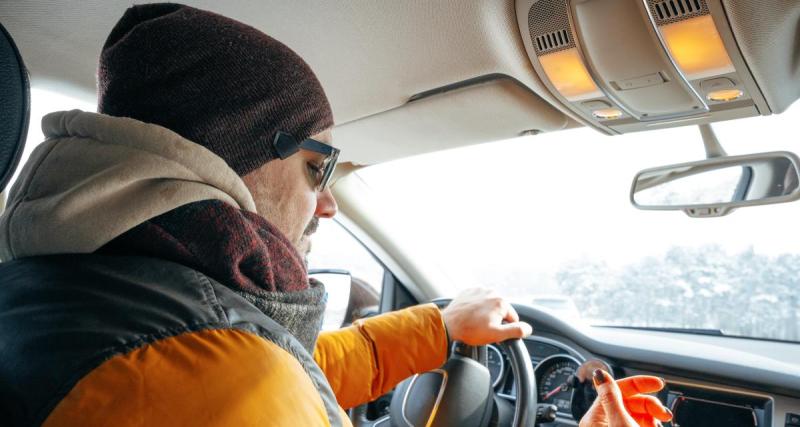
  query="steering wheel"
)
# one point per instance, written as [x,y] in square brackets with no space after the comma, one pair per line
[460,392]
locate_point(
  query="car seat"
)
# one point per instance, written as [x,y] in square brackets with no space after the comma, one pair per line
[15,103]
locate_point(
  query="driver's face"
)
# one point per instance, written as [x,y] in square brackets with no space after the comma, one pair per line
[284,194]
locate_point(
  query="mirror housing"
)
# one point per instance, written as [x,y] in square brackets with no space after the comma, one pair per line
[716,186]
[338,287]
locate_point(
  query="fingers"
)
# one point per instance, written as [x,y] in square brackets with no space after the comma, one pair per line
[610,398]
[515,330]
[646,421]
[640,384]
[648,406]
[634,408]
[594,416]
[476,317]
[509,314]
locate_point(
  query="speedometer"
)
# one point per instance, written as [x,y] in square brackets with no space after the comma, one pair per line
[496,364]
[555,376]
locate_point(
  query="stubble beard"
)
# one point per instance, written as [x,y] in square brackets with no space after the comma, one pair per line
[305,240]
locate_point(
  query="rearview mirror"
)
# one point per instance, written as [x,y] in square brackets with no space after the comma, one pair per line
[715,186]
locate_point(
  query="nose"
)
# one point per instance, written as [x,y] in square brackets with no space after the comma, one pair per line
[326,204]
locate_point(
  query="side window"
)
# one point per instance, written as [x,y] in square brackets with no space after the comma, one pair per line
[350,296]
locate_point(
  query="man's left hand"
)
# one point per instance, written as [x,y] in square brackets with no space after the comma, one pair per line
[476,316]
[626,402]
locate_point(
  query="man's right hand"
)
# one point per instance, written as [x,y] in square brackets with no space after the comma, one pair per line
[624,403]
[476,317]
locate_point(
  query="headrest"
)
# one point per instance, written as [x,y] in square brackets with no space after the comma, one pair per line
[15,106]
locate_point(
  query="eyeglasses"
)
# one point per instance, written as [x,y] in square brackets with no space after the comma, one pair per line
[285,145]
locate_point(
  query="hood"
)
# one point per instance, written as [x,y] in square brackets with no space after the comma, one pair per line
[96,177]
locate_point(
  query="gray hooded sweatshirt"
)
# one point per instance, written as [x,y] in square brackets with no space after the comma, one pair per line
[96,176]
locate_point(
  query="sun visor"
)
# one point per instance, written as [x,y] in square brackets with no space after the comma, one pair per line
[631,65]
[472,112]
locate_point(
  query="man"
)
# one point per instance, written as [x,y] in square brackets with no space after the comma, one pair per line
[159,275]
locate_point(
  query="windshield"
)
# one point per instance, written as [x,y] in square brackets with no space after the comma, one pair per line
[546,221]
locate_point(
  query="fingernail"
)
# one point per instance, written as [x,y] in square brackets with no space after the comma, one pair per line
[598,377]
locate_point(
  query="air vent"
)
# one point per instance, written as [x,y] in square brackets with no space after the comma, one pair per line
[552,41]
[548,23]
[666,11]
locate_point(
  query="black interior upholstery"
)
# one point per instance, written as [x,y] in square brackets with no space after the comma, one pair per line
[15,105]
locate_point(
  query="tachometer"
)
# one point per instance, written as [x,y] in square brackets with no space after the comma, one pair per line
[555,377]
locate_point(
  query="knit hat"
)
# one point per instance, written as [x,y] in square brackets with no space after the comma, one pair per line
[212,80]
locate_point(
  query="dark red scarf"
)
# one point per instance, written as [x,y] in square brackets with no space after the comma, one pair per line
[239,249]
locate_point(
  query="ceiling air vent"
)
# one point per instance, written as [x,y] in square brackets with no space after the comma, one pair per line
[552,41]
[548,23]
[667,11]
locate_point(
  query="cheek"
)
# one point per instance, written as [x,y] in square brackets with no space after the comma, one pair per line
[304,203]
[286,199]
[306,207]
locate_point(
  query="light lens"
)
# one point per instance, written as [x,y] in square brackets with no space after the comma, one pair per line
[607,113]
[568,74]
[725,95]
[697,47]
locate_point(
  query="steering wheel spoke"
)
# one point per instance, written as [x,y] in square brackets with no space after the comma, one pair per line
[460,392]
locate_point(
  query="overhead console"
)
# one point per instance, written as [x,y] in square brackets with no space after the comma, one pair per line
[633,65]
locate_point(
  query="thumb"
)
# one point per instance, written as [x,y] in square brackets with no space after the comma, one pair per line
[507,331]
[610,397]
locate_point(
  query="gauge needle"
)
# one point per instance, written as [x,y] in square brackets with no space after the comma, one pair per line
[562,387]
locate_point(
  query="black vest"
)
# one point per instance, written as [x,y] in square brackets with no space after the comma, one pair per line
[62,316]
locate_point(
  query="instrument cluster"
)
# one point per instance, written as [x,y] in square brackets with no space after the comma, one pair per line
[563,380]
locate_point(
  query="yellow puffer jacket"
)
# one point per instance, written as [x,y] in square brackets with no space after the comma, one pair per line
[93,340]
[233,378]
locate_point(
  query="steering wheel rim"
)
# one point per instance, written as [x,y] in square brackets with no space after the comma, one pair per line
[455,384]
[525,381]
[525,405]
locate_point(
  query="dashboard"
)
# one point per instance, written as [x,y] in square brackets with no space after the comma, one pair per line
[711,381]
[563,380]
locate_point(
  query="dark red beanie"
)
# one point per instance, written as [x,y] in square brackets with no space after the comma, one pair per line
[211,79]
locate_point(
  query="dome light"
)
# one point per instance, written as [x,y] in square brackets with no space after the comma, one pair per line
[725,95]
[607,113]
